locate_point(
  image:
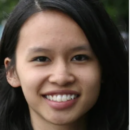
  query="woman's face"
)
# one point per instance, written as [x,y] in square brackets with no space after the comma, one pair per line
[59,74]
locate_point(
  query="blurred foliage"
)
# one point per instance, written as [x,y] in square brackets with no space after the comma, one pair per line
[6,6]
[117,9]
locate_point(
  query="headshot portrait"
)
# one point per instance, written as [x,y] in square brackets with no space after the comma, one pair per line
[63,66]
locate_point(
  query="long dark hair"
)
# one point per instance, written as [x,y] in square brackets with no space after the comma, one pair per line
[111,110]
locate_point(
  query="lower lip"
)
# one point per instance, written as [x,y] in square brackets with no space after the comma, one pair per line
[61,105]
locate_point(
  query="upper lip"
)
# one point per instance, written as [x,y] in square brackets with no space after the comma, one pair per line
[61,92]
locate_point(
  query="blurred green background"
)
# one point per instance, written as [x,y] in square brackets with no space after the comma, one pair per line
[117,9]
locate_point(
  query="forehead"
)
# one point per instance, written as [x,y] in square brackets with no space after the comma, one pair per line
[48,21]
[51,27]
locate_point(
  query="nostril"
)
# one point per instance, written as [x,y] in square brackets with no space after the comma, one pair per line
[61,79]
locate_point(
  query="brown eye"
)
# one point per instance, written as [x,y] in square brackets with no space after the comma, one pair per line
[80,58]
[41,59]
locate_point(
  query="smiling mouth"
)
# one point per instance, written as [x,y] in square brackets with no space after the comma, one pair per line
[61,97]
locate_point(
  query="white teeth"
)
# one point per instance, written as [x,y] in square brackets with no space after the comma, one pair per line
[68,97]
[64,98]
[51,98]
[54,98]
[72,96]
[61,98]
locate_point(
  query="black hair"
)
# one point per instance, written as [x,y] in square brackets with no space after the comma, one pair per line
[111,110]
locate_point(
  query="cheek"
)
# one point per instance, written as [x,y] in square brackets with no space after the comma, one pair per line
[89,75]
[90,82]
[32,79]
[90,87]
[31,83]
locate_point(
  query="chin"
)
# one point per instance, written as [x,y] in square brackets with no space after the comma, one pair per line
[61,120]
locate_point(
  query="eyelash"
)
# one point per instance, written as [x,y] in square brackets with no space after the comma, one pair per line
[78,58]
[41,59]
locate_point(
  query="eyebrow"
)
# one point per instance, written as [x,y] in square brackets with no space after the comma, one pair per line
[40,49]
[81,48]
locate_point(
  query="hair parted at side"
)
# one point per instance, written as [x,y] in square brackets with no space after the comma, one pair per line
[111,110]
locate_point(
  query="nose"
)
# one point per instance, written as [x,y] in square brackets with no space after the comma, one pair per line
[61,76]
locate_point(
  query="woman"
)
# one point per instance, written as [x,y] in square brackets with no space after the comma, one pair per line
[63,66]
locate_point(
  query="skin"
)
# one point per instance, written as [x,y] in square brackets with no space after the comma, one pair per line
[56,37]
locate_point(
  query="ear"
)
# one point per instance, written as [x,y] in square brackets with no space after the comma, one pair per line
[11,74]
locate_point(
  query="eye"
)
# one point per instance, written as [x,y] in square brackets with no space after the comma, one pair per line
[41,59]
[80,58]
